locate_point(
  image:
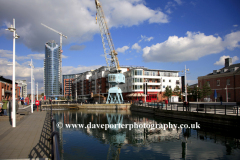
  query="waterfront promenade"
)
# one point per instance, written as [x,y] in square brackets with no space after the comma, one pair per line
[29,139]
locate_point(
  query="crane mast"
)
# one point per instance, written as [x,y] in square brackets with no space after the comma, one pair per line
[108,46]
[115,77]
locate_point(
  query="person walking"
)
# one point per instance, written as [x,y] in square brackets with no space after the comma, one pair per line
[220,99]
[5,102]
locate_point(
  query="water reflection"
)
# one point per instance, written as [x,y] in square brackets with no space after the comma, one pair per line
[139,143]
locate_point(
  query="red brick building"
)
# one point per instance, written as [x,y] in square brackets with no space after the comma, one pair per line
[6,89]
[226,82]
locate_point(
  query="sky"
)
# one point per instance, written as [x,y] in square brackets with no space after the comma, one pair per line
[157,34]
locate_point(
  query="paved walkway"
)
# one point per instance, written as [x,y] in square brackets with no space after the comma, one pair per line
[29,139]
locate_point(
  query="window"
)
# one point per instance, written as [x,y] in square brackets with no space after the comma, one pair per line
[218,82]
[137,87]
[138,80]
[177,82]
[163,80]
[208,83]
[169,86]
[229,95]
[228,81]
[138,72]
[163,86]
[169,80]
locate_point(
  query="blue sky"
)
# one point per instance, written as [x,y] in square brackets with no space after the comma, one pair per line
[166,34]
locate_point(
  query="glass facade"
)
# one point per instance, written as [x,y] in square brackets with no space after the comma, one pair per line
[51,69]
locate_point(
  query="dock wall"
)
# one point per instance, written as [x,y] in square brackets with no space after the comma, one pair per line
[216,119]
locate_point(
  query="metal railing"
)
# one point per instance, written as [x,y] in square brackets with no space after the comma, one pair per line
[226,109]
[55,139]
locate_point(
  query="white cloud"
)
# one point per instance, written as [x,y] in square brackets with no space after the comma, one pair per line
[63,56]
[190,82]
[123,49]
[77,47]
[235,25]
[6,54]
[169,11]
[75,19]
[136,47]
[169,5]
[191,47]
[128,59]
[79,69]
[179,2]
[221,61]
[23,72]
[145,38]
[232,40]
[38,56]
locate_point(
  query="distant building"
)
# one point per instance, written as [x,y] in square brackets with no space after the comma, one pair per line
[23,88]
[52,70]
[226,82]
[96,81]
[6,89]
[67,85]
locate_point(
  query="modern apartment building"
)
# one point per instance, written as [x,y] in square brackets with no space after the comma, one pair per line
[96,81]
[226,82]
[52,70]
[23,87]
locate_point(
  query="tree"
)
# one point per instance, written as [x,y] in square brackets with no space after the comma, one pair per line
[177,91]
[196,92]
[42,94]
[168,92]
[206,90]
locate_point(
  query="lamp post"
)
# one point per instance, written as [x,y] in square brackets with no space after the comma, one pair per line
[185,70]
[37,90]
[76,88]
[15,36]
[145,89]
[99,93]
[31,64]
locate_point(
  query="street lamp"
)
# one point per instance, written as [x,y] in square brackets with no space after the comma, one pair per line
[99,93]
[185,83]
[15,36]
[37,90]
[31,64]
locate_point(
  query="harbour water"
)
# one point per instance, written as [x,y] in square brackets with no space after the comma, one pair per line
[208,142]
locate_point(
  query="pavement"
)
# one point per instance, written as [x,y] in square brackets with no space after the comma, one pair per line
[29,139]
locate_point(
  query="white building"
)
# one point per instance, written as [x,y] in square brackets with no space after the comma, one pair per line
[157,81]
[23,88]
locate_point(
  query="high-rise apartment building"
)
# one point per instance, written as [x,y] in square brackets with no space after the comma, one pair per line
[52,70]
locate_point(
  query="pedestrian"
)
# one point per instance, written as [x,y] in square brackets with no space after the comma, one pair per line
[188,106]
[40,104]
[1,104]
[184,104]
[220,99]
[5,102]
